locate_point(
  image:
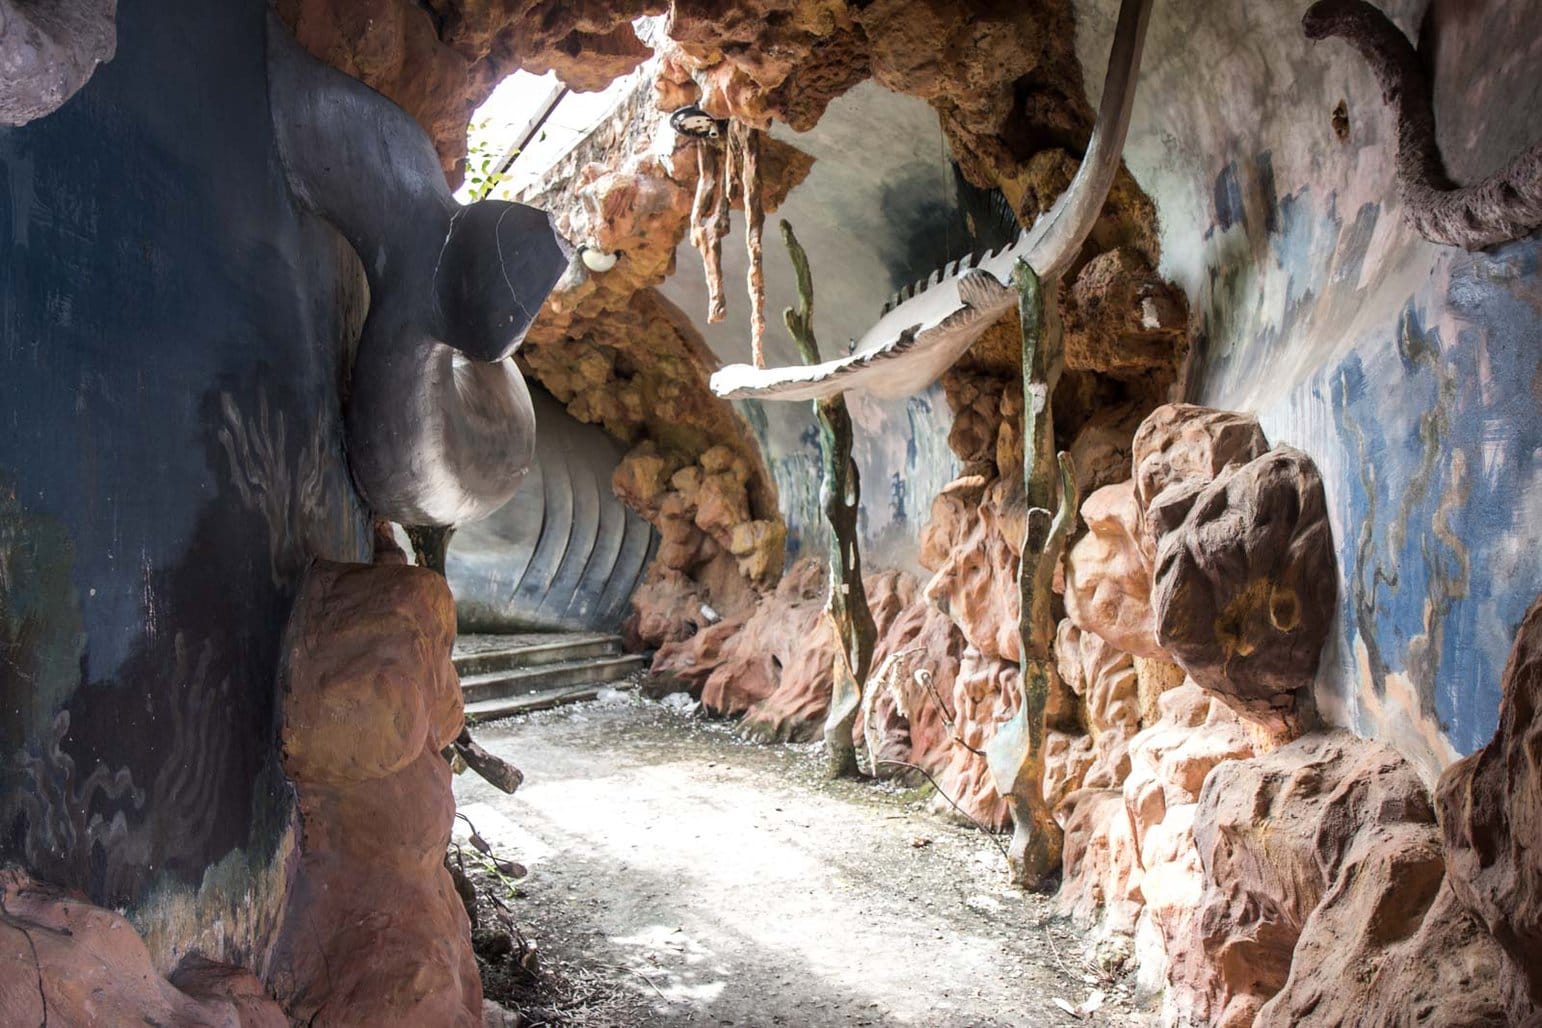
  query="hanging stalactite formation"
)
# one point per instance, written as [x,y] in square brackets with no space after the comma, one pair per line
[709,220]
[747,140]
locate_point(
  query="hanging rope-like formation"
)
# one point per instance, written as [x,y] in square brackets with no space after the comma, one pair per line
[748,142]
[709,221]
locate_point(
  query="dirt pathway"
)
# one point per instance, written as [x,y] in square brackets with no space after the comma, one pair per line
[723,883]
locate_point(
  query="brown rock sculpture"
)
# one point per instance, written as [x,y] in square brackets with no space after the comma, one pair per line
[374,932]
[64,961]
[1122,318]
[1276,834]
[439,61]
[1391,945]
[773,666]
[975,548]
[1102,867]
[1491,818]
[1107,576]
[1178,450]
[1245,588]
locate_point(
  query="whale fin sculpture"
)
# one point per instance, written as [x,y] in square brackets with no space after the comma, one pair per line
[920,338]
[440,429]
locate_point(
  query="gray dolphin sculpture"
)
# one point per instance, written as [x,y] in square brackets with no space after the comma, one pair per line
[440,430]
[919,338]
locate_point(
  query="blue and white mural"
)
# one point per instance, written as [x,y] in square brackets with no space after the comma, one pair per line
[1409,371]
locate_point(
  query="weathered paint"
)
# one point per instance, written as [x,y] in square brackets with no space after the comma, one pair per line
[1410,372]
[172,349]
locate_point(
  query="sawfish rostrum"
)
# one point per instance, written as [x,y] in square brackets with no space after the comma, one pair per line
[918,339]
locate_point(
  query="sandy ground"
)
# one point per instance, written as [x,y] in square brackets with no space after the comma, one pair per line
[708,881]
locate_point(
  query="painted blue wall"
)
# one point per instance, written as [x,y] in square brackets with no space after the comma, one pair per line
[171,357]
[1409,371]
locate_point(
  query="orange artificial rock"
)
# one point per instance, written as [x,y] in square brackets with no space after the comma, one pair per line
[373,931]
[1130,864]
[1068,757]
[1101,880]
[1104,679]
[1153,677]
[1107,578]
[438,61]
[1169,763]
[782,649]
[1103,447]
[1391,944]
[975,582]
[64,961]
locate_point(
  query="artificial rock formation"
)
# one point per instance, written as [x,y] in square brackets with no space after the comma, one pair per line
[1104,680]
[1491,817]
[440,59]
[374,932]
[617,353]
[933,324]
[64,961]
[1324,899]
[1179,449]
[1122,318]
[48,51]
[1245,586]
[1107,577]
[1245,576]
[1129,859]
[1272,834]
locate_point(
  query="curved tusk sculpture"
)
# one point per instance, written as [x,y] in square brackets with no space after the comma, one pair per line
[440,429]
[917,340]
[1507,205]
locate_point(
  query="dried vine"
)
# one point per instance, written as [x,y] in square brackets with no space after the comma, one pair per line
[1015,755]
[840,491]
[709,221]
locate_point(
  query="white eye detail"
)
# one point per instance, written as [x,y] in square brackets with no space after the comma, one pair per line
[598,260]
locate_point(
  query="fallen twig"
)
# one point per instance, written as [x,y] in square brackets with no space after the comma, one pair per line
[943,793]
[503,775]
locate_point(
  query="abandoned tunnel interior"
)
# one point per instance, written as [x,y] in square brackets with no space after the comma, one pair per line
[951,513]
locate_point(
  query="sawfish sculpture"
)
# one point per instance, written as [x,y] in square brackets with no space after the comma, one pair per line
[440,427]
[922,335]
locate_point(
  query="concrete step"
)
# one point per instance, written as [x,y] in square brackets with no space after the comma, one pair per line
[490,655]
[545,699]
[527,681]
